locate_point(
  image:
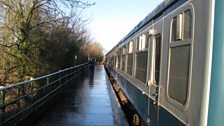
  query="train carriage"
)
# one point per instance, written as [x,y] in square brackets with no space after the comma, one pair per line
[170,65]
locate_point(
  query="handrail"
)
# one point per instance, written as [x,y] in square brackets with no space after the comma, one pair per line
[35,79]
[20,99]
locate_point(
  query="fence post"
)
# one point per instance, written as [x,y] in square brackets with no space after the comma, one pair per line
[48,81]
[49,87]
[31,83]
[2,95]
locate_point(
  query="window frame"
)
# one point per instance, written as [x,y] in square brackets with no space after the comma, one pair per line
[131,50]
[130,47]
[180,36]
[124,52]
[132,63]
[117,62]
[136,54]
[140,49]
[179,43]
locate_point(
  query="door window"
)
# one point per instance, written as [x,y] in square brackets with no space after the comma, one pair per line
[157,57]
[179,57]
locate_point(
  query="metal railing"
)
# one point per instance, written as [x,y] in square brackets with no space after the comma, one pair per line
[21,99]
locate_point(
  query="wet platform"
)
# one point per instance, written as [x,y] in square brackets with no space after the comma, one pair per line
[89,101]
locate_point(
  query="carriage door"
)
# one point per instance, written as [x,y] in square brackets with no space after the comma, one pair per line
[153,83]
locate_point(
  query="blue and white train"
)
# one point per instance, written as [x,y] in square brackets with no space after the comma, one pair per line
[171,65]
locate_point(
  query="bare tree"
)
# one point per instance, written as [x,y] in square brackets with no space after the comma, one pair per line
[94,50]
[24,29]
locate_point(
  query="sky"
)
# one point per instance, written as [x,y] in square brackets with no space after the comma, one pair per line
[110,20]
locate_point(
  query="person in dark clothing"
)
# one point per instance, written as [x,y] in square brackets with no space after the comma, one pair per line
[91,65]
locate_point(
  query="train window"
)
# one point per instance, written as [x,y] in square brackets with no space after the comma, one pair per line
[181,26]
[137,44]
[142,42]
[142,39]
[113,61]
[187,24]
[147,42]
[117,62]
[157,60]
[124,50]
[174,29]
[120,51]
[130,64]
[141,66]
[179,57]
[110,61]
[123,59]
[179,72]
[130,47]
[130,58]
[127,49]
[177,26]
[123,63]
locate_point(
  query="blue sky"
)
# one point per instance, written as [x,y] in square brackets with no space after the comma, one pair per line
[111,20]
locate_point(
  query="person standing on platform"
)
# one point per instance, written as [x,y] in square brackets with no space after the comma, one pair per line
[92,66]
